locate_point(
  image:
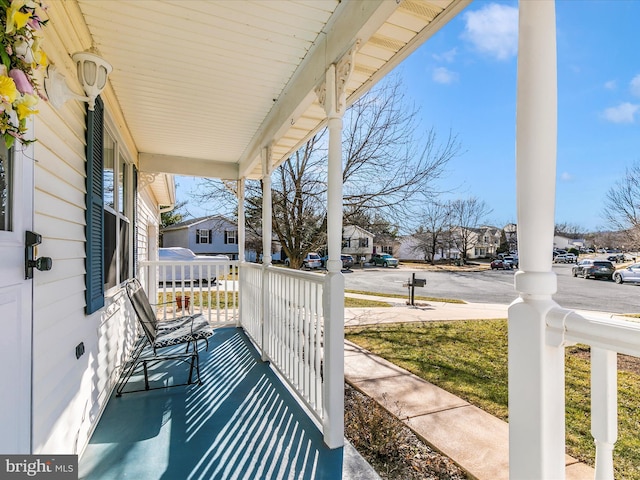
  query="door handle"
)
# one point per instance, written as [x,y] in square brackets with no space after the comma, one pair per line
[33,239]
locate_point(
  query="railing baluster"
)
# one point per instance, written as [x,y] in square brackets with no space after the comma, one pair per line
[604,405]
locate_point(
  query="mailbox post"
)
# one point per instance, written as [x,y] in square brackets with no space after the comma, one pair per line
[414,282]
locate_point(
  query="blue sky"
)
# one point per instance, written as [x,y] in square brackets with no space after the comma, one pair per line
[464,80]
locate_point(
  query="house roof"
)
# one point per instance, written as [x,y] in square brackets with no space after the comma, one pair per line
[360,229]
[195,221]
[204,86]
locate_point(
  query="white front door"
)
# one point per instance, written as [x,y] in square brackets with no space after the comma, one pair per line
[16,217]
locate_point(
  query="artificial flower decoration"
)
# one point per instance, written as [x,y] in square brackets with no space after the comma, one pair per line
[23,61]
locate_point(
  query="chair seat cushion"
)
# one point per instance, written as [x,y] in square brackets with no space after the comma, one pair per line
[184,333]
[199,322]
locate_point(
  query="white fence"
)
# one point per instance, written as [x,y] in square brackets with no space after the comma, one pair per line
[290,330]
[281,311]
[181,288]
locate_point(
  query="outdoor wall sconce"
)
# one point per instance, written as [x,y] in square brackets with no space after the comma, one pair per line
[93,72]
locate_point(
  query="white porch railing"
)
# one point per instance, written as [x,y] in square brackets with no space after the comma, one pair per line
[607,337]
[292,335]
[281,311]
[185,288]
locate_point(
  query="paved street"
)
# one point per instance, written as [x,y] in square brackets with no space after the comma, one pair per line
[497,287]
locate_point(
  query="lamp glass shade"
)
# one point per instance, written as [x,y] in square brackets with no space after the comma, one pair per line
[92,72]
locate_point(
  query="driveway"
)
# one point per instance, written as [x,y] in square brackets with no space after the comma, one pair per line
[496,286]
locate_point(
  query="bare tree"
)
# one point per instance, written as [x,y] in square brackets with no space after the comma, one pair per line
[389,164]
[435,223]
[388,168]
[622,205]
[468,214]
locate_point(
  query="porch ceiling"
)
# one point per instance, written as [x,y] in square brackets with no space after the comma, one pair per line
[204,85]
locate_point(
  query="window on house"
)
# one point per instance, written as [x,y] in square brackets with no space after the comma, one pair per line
[230,236]
[387,249]
[6,161]
[203,236]
[346,243]
[363,242]
[118,198]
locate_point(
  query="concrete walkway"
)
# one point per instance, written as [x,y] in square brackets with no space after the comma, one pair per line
[477,441]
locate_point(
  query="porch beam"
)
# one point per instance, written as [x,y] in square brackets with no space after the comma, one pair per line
[358,19]
[536,368]
[193,167]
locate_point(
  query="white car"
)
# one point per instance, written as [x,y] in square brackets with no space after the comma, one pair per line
[565,258]
[184,265]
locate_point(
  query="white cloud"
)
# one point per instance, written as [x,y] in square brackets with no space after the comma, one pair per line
[611,85]
[623,113]
[449,56]
[635,86]
[493,30]
[444,75]
[566,177]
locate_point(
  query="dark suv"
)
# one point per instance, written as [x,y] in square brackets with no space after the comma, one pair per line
[593,268]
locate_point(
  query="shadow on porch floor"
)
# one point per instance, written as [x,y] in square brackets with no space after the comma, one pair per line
[241,424]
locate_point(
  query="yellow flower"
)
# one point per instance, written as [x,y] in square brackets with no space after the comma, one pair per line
[15,18]
[8,90]
[24,106]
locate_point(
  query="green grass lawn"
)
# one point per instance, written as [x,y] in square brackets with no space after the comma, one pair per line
[469,359]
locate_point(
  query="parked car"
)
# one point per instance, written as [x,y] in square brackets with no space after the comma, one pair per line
[565,258]
[500,264]
[593,268]
[384,259]
[511,259]
[183,272]
[630,274]
[312,261]
[347,261]
[618,257]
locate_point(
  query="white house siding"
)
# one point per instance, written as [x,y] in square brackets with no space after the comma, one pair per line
[351,235]
[68,393]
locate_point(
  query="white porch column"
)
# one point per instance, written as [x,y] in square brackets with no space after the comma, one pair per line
[241,243]
[241,220]
[536,370]
[332,95]
[266,248]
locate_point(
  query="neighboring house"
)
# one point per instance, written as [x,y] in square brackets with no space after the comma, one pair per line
[565,243]
[211,235]
[357,241]
[386,243]
[409,247]
[484,242]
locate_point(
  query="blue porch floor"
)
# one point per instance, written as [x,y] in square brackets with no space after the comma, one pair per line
[241,424]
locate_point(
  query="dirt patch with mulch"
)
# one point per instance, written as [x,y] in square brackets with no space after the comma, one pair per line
[391,447]
[626,363]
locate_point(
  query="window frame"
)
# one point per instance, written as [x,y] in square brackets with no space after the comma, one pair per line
[122,213]
[231,237]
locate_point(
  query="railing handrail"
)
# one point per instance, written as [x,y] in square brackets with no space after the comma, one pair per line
[312,276]
[598,330]
[147,263]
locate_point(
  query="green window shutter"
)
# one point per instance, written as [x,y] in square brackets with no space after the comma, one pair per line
[94,263]
[134,221]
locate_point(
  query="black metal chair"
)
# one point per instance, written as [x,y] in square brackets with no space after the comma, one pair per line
[154,345]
